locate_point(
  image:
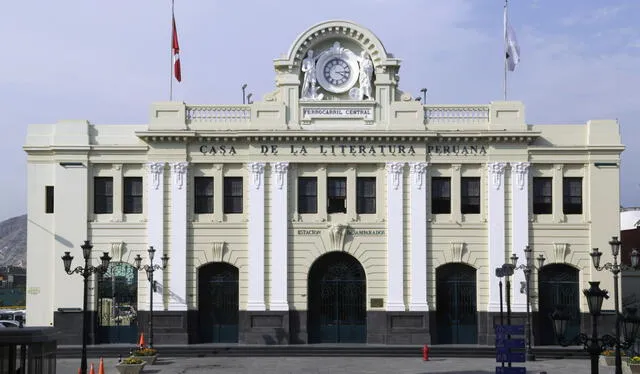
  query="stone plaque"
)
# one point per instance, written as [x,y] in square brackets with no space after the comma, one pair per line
[377,302]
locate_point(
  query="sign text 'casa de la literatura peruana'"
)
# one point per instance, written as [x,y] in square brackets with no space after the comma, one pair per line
[344,149]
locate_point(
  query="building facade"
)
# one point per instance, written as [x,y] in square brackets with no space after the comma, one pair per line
[337,209]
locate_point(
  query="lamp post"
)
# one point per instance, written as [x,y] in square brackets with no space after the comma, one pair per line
[85,272]
[615,268]
[150,269]
[528,267]
[244,98]
[594,345]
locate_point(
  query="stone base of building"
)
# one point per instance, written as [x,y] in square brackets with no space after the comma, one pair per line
[291,327]
[169,327]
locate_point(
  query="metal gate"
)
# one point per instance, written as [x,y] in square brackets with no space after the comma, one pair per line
[456,311]
[337,300]
[118,304]
[218,303]
[557,286]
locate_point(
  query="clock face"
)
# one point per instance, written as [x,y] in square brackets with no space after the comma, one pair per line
[337,71]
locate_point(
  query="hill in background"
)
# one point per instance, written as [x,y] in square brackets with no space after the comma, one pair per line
[13,242]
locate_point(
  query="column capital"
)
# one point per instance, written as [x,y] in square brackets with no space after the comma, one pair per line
[256,169]
[156,169]
[520,170]
[179,171]
[418,170]
[395,169]
[280,169]
[496,171]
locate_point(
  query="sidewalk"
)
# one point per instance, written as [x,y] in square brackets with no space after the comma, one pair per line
[331,365]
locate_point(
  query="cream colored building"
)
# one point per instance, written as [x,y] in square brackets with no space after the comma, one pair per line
[337,209]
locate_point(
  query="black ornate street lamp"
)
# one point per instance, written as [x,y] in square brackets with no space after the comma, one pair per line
[150,269]
[85,272]
[528,267]
[593,345]
[615,268]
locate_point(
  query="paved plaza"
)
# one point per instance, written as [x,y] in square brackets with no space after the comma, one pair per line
[333,365]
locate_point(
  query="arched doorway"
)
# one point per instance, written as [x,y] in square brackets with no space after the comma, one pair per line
[456,308]
[117,306]
[557,286]
[337,310]
[218,303]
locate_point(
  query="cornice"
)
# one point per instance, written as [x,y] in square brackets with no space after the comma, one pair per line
[498,136]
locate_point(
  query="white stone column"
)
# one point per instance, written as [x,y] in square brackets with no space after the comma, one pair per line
[519,228]
[178,255]
[496,230]
[155,225]
[279,236]
[418,300]
[256,236]
[395,232]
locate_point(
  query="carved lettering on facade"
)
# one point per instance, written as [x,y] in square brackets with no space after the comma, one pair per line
[457,150]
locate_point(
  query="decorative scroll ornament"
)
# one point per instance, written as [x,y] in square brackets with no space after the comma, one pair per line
[457,250]
[561,250]
[337,234]
[179,171]
[157,170]
[257,170]
[395,169]
[418,170]
[496,171]
[280,170]
[520,170]
[218,250]
[117,250]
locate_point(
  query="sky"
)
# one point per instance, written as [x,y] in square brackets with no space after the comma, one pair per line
[107,61]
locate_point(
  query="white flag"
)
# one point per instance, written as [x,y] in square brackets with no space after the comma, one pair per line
[512,48]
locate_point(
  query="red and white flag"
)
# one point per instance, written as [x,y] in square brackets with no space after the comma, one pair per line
[175,49]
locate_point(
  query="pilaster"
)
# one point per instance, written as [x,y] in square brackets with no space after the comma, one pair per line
[155,222]
[395,232]
[418,229]
[279,238]
[496,229]
[519,226]
[178,257]
[256,237]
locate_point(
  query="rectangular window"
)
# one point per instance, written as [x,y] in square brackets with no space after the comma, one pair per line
[366,195]
[233,194]
[470,195]
[307,195]
[440,195]
[542,195]
[203,195]
[103,195]
[48,200]
[337,195]
[132,195]
[572,191]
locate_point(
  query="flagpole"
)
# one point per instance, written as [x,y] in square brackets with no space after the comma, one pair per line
[171,56]
[504,53]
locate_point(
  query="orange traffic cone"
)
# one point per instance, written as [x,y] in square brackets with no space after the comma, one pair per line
[101,366]
[92,370]
[141,342]
[79,370]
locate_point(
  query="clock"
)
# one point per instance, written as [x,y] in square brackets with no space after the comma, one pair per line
[337,69]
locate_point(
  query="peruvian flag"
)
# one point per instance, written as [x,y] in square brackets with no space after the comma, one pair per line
[175,49]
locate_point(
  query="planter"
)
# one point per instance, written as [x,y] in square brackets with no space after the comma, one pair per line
[148,359]
[635,368]
[130,368]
